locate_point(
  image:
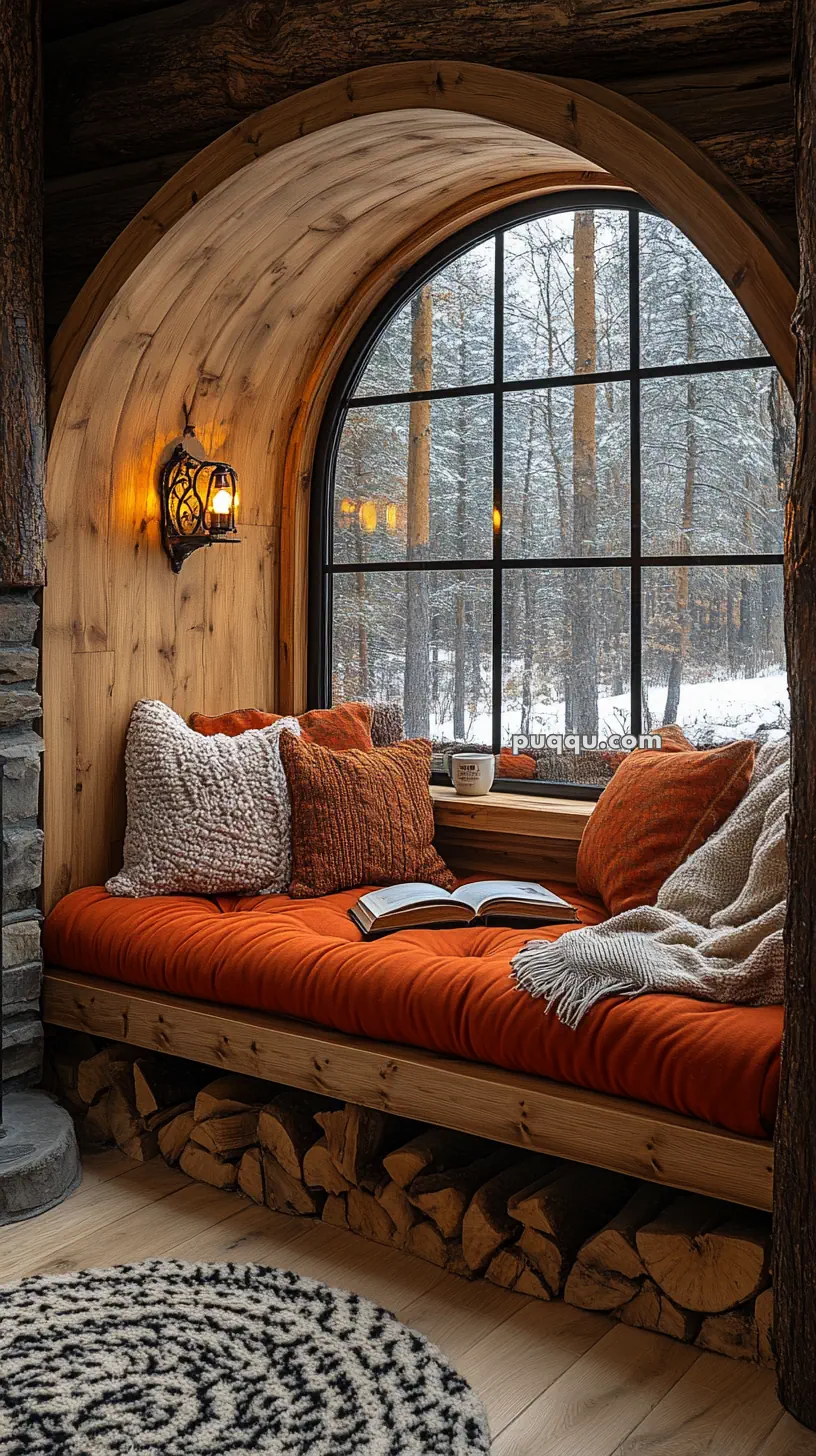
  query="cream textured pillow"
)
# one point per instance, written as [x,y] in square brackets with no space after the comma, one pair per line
[206,816]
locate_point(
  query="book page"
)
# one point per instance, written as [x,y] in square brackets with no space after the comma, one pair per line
[484,891]
[397,897]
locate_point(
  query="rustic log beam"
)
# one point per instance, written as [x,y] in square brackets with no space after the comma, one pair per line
[795,1178]
[755,95]
[22,365]
[70,17]
[85,212]
[192,70]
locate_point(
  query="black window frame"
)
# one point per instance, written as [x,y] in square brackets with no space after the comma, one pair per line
[322,568]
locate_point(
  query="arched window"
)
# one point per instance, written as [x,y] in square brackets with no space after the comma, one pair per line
[549,496]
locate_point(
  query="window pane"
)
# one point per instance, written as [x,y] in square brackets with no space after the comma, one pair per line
[423,638]
[716,457]
[714,651]
[566,304]
[443,480]
[687,312]
[566,472]
[454,314]
[565,662]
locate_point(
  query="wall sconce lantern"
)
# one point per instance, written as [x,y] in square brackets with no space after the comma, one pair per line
[198,500]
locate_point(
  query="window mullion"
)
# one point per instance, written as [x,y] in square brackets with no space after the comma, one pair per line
[635,576]
[498,483]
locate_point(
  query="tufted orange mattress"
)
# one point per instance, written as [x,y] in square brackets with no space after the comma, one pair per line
[445,990]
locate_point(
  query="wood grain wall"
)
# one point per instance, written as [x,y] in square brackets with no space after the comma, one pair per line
[135,87]
[238,292]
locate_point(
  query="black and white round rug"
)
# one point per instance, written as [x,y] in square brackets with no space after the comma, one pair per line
[172,1359]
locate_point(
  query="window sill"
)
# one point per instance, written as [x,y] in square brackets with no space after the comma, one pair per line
[517,815]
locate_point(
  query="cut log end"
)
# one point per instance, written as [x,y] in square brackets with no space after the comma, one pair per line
[197,1163]
[368,1217]
[704,1257]
[250,1175]
[286,1194]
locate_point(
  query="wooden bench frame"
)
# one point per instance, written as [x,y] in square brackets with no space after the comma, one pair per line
[525,1111]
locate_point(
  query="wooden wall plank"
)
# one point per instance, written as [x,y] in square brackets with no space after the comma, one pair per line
[529,1112]
[179,76]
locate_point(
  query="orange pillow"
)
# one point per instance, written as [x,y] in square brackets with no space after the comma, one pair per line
[658,808]
[360,818]
[673,739]
[347,725]
[515,765]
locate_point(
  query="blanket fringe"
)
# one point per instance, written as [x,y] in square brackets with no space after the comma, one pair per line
[541,968]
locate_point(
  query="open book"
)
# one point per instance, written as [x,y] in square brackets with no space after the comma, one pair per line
[400,907]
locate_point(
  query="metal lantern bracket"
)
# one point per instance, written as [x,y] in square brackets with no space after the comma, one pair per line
[198,499]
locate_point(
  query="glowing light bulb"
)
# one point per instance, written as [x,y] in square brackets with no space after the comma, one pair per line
[496,519]
[391,517]
[221,502]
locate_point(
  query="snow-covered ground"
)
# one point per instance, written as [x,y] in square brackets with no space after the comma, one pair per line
[709,711]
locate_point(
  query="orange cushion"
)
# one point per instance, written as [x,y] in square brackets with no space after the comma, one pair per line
[347,725]
[515,765]
[360,818]
[446,990]
[658,808]
[672,740]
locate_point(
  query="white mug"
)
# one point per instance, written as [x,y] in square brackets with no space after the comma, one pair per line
[472,773]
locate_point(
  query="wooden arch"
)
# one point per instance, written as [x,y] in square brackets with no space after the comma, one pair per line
[238,290]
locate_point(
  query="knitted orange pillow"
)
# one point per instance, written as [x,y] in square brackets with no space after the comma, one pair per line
[658,808]
[360,818]
[515,765]
[347,725]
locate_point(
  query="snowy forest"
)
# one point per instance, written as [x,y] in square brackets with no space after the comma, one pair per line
[414,482]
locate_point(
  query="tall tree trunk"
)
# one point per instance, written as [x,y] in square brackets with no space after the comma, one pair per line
[530,580]
[731,621]
[681,601]
[363,686]
[795,1166]
[417,697]
[22,370]
[582,704]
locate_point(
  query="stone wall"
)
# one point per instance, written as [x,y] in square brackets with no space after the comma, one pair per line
[21,747]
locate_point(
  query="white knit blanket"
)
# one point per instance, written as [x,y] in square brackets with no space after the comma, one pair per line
[715,932]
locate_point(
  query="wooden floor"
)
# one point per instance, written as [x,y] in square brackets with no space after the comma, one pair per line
[556,1381]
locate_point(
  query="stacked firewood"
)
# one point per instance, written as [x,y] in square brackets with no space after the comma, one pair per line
[690,1267]
[118,1094]
[685,1266]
